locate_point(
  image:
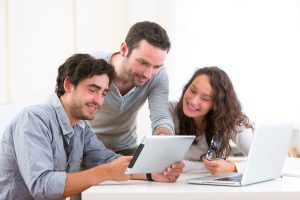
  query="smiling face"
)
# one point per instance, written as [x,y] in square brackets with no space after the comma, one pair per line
[86,98]
[198,97]
[143,62]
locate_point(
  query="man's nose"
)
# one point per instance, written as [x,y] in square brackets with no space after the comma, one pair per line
[99,99]
[148,73]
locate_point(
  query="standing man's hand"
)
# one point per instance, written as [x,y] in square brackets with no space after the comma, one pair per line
[162,131]
[171,174]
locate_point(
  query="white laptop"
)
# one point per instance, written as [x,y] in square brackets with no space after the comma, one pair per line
[265,159]
[156,153]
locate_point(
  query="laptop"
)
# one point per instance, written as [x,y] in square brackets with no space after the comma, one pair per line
[265,159]
[156,153]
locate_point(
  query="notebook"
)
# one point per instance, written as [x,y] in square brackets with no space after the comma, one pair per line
[156,153]
[265,159]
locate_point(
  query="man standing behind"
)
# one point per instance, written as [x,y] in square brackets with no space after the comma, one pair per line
[140,75]
[42,149]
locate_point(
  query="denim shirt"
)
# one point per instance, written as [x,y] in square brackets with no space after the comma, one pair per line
[39,147]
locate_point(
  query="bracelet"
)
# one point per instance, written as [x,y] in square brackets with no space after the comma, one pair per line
[149,177]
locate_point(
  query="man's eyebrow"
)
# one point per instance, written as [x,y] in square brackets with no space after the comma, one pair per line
[143,60]
[158,66]
[95,86]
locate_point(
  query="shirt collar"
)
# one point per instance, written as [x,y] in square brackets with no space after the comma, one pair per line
[62,117]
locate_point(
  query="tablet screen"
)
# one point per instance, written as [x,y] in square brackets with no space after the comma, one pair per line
[156,153]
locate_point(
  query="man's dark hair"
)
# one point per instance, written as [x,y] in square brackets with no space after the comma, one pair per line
[80,67]
[149,31]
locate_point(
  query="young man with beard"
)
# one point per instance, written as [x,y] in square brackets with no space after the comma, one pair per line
[44,146]
[140,76]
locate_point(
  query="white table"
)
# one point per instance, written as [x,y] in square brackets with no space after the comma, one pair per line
[286,188]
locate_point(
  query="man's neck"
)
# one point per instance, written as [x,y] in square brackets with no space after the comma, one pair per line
[66,107]
[121,81]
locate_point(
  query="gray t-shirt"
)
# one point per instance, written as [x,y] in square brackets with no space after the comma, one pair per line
[39,147]
[115,122]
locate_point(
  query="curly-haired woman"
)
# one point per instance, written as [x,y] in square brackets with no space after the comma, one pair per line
[209,109]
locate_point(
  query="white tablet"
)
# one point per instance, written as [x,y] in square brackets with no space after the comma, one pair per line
[156,153]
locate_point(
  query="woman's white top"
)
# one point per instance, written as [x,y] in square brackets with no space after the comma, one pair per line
[193,164]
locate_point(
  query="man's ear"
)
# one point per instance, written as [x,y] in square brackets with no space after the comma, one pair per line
[124,49]
[67,85]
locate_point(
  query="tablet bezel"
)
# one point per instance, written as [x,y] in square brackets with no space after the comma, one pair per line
[156,153]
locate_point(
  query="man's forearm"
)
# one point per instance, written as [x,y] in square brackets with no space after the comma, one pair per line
[79,181]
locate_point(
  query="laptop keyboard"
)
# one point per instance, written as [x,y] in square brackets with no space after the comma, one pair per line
[236,178]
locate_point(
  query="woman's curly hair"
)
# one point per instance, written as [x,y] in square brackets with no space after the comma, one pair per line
[225,118]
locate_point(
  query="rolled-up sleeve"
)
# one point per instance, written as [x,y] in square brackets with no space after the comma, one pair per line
[32,141]
[159,102]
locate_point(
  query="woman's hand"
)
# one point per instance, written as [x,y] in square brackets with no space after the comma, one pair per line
[219,166]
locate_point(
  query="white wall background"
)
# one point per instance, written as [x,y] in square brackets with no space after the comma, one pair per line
[256,42]
[3,51]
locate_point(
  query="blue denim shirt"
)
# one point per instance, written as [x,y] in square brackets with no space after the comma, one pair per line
[39,147]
